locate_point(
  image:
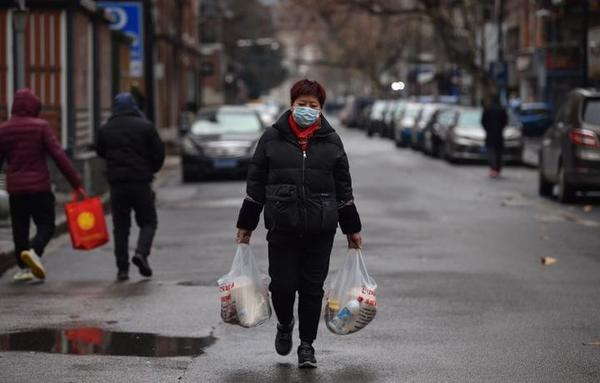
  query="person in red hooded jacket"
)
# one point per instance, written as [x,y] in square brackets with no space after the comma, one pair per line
[25,142]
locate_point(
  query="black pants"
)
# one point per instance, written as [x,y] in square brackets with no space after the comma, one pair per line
[495,158]
[299,263]
[39,207]
[140,198]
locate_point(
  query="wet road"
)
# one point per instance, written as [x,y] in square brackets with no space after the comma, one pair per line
[462,294]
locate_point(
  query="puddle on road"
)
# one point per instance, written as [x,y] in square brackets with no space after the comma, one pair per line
[97,341]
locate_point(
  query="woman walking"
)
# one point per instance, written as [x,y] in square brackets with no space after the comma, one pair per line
[300,175]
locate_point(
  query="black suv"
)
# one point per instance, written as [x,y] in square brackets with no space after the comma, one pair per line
[570,153]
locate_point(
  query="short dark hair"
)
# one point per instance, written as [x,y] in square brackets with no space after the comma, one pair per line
[307,87]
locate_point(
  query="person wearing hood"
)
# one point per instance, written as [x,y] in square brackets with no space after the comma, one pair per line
[133,152]
[300,176]
[25,142]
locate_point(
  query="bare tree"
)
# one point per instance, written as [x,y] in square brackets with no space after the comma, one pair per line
[351,40]
[372,34]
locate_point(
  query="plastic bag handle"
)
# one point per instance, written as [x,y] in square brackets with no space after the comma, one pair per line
[78,192]
[360,260]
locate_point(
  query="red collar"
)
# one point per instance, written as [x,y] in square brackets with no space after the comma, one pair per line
[303,135]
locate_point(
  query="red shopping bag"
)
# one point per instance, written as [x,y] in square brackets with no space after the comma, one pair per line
[86,221]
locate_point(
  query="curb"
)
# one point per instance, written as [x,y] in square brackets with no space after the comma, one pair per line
[7,258]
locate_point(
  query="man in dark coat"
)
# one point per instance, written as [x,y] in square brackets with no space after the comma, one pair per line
[133,152]
[494,120]
[25,143]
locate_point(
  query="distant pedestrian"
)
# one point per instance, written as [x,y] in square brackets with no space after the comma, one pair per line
[300,175]
[134,152]
[25,143]
[494,120]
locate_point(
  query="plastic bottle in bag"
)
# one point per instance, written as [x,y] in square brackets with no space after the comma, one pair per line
[345,316]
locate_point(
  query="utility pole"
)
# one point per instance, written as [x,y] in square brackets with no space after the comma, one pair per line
[19,25]
[585,43]
[501,75]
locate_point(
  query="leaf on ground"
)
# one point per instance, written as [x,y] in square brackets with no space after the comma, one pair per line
[597,343]
[547,261]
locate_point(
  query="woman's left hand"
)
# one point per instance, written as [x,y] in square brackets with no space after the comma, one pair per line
[354,241]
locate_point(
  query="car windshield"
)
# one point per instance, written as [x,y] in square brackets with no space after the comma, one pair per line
[227,123]
[378,109]
[411,111]
[427,113]
[513,120]
[447,117]
[470,118]
[591,113]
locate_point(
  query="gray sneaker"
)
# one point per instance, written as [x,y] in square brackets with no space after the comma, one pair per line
[306,356]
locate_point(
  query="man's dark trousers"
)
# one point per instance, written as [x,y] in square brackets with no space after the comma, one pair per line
[140,198]
[495,157]
[39,207]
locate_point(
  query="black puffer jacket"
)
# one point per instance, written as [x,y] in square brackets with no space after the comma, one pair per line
[301,192]
[131,146]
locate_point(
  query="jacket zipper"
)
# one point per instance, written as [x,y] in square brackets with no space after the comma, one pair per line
[303,190]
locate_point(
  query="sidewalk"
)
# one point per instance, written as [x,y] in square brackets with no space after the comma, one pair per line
[7,256]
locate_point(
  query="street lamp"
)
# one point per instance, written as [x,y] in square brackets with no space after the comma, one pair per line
[19,25]
[398,86]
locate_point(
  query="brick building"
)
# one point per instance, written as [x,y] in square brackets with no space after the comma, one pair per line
[547,47]
[69,63]
[177,66]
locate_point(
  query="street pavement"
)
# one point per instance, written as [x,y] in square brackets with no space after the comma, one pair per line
[463,296]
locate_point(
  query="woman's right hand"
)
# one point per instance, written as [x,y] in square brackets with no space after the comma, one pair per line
[243,236]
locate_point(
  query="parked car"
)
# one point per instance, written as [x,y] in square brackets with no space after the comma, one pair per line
[221,141]
[434,134]
[375,125]
[404,123]
[268,111]
[536,118]
[4,204]
[388,118]
[465,140]
[570,153]
[352,115]
[423,118]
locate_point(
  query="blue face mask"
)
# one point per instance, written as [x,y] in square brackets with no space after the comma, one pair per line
[305,116]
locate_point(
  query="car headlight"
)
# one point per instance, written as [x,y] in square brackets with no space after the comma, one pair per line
[512,134]
[189,147]
[463,141]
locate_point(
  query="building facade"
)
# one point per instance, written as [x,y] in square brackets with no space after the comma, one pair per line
[549,47]
[69,65]
[178,62]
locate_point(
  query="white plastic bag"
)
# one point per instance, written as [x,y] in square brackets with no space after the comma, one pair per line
[351,303]
[244,291]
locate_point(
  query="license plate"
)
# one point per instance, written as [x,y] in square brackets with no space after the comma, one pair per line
[225,163]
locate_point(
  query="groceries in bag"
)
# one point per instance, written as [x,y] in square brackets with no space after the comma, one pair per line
[351,303]
[244,291]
